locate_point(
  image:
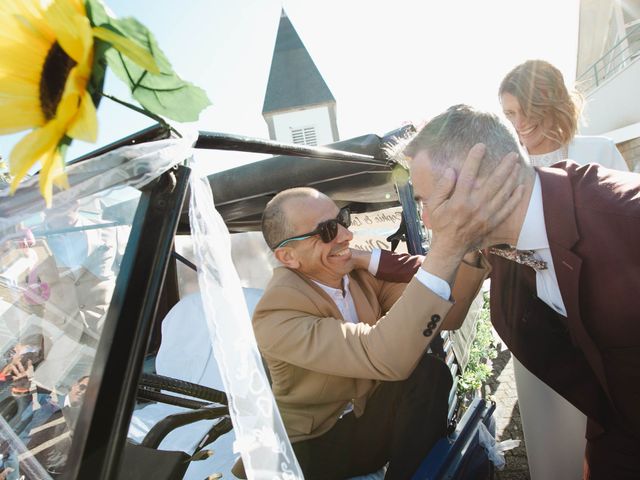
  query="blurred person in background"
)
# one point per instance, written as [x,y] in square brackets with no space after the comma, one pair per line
[83,277]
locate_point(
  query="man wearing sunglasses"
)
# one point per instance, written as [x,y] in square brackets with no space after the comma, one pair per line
[345,350]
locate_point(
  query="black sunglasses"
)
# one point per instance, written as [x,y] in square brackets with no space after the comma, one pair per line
[328,230]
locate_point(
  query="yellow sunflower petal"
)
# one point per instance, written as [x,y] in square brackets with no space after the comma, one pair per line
[23,48]
[52,173]
[59,177]
[16,86]
[22,61]
[30,29]
[27,15]
[50,168]
[128,47]
[31,149]
[24,115]
[72,29]
[85,125]
[19,104]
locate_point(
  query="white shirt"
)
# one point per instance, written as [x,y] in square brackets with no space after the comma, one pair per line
[533,236]
[547,159]
[583,150]
[344,301]
[432,282]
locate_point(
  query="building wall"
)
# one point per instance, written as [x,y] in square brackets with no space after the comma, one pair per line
[604,24]
[630,150]
[594,35]
[614,104]
[317,117]
[609,36]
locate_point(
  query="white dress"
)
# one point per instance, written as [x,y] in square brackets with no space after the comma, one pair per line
[584,150]
[554,430]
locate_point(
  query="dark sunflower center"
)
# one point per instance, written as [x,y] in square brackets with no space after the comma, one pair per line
[55,71]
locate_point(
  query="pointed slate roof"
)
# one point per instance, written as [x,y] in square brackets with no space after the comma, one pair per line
[294,80]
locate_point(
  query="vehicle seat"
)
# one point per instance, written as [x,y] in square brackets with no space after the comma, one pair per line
[184,329]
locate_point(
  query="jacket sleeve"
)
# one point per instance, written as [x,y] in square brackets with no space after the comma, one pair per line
[398,267]
[389,350]
[402,267]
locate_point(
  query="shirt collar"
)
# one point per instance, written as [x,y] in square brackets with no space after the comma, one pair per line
[342,292]
[533,235]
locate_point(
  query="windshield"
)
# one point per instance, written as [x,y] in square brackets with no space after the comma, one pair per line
[57,276]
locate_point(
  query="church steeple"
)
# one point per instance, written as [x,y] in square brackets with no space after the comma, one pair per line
[298,105]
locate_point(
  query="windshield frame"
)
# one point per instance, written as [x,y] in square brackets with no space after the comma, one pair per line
[104,419]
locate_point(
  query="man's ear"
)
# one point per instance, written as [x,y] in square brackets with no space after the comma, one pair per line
[288,257]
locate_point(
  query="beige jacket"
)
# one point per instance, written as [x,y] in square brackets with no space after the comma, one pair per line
[319,363]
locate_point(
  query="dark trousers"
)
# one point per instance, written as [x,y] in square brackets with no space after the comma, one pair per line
[613,455]
[401,422]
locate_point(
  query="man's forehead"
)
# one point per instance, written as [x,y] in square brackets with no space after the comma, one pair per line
[311,210]
[318,202]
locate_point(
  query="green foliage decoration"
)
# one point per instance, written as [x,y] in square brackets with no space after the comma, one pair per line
[483,350]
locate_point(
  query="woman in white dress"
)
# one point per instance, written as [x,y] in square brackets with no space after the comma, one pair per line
[545,116]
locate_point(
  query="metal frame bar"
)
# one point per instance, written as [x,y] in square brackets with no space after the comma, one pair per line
[225,141]
[83,228]
[110,396]
[412,219]
[154,132]
[184,261]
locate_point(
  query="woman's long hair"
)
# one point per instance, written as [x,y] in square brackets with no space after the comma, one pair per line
[542,94]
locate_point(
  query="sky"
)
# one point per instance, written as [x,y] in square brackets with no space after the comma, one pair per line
[386,62]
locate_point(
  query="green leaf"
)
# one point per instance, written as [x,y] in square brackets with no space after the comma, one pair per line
[166,93]
[98,71]
[96,12]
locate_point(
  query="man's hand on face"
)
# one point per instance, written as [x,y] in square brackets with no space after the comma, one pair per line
[463,216]
[461,219]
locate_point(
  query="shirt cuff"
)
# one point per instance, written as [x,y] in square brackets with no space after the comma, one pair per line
[374,262]
[434,283]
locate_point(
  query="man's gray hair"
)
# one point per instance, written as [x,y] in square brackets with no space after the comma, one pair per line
[448,138]
[276,226]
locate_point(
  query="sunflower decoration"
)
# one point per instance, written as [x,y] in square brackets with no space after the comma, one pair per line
[54,57]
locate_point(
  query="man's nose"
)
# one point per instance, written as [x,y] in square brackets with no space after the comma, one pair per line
[344,234]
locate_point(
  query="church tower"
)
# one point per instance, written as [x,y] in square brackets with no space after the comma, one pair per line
[298,105]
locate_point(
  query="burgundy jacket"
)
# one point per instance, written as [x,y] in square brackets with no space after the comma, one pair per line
[592,357]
